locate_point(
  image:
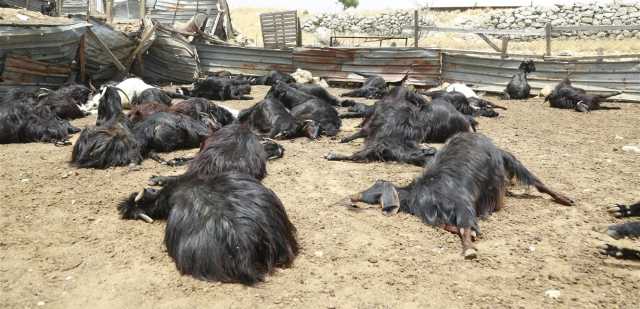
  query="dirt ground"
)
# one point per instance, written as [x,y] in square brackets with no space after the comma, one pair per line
[62,244]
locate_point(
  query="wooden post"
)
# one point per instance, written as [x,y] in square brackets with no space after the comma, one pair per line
[27,4]
[109,11]
[505,45]
[82,58]
[59,7]
[416,28]
[143,8]
[547,36]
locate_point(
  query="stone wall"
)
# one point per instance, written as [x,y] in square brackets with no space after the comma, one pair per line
[603,14]
[390,23]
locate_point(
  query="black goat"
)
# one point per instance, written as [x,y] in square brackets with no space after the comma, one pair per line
[220,88]
[272,78]
[22,120]
[306,107]
[393,132]
[445,121]
[271,118]
[66,101]
[374,87]
[232,148]
[518,87]
[109,143]
[227,227]
[165,132]
[322,94]
[152,95]
[629,229]
[466,180]
[565,96]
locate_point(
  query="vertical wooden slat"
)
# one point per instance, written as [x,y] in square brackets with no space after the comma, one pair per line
[547,37]
[416,28]
[82,58]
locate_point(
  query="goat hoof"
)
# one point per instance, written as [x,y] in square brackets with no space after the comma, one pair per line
[470,254]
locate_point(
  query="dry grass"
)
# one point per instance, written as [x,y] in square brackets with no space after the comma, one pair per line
[247,21]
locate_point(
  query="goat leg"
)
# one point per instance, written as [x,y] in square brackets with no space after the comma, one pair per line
[468,250]
[619,252]
[558,197]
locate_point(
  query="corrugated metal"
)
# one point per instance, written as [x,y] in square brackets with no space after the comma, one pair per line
[99,65]
[170,59]
[422,65]
[479,70]
[34,5]
[169,12]
[74,7]
[251,61]
[55,46]
[280,30]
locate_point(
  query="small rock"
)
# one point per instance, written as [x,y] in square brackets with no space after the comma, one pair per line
[631,148]
[552,293]
[25,180]
[318,253]
[619,137]
[372,260]
[40,303]
[532,248]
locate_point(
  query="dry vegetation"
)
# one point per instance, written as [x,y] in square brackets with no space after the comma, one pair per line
[246,20]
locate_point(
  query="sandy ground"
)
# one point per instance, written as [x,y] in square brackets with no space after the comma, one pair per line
[62,244]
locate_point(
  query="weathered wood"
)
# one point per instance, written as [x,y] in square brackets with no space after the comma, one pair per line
[143,8]
[486,39]
[82,57]
[505,46]
[109,10]
[484,31]
[143,41]
[547,37]
[416,28]
[595,28]
[113,57]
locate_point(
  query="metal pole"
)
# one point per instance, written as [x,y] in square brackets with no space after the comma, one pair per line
[416,30]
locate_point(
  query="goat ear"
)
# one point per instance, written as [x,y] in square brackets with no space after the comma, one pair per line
[389,200]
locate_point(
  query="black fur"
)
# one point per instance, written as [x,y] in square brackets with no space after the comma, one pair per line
[518,87]
[565,96]
[322,94]
[374,87]
[444,121]
[221,88]
[392,133]
[109,143]
[22,120]
[165,132]
[272,78]
[466,180]
[271,118]
[227,227]
[152,95]
[66,101]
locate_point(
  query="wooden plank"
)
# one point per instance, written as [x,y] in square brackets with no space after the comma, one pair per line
[483,31]
[595,28]
[82,58]
[143,41]
[114,59]
[486,39]
[416,28]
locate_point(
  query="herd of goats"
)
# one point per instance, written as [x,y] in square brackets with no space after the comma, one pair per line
[223,224]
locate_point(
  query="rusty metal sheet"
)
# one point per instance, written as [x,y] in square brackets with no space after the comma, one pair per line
[170,12]
[618,74]
[28,49]
[170,59]
[99,65]
[34,5]
[242,60]
[422,65]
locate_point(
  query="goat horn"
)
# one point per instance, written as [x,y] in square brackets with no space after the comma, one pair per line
[145,218]
[139,196]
